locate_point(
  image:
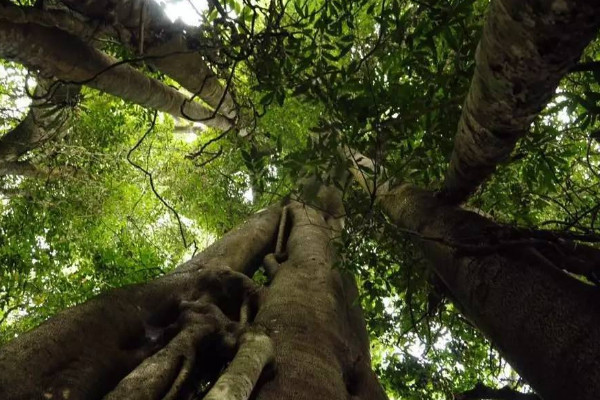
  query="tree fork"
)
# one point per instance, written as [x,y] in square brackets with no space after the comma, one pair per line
[126,343]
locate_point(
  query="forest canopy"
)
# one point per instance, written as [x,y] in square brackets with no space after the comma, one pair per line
[145,133]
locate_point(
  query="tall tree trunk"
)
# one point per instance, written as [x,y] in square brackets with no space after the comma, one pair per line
[526,48]
[58,54]
[544,322]
[168,339]
[311,311]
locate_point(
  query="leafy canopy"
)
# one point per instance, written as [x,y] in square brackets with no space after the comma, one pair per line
[387,77]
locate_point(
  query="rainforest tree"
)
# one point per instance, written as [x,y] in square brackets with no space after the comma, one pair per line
[409,190]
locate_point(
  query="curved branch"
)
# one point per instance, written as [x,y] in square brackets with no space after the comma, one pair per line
[47,118]
[56,53]
[173,56]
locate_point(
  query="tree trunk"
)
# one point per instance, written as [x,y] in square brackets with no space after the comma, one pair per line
[543,321]
[170,338]
[58,54]
[526,48]
[312,313]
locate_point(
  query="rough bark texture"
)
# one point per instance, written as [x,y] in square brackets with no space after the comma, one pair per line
[526,48]
[238,381]
[163,339]
[48,117]
[161,39]
[243,248]
[545,322]
[155,335]
[312,315]
[85,351]
[56,53]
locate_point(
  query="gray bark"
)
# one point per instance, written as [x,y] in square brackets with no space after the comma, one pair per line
[56,53]
[311,312]
[526,48]
[544,322]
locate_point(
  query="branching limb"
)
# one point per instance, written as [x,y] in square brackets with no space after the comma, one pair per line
[49,117]
[71,60]
[517,74]
[362,169]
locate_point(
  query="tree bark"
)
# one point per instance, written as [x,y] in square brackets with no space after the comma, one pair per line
[120,337]
[172,55]
[544,322]
[167,338]
[56,53]
[311,312]
[526,48]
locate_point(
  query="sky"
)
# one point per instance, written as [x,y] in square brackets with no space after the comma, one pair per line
[184,10]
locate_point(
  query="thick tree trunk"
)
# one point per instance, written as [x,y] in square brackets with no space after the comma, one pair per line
[311,312]
[58,54]
[84,352]
[172,55]
[169,338]
[544,322]
[526,48]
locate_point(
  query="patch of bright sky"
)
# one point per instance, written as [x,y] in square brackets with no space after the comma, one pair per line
[185,10]
[13,76]
[202,237]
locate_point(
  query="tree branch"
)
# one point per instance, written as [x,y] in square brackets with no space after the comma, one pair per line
[519,66]
[48,117]
[173,56]
[56,53]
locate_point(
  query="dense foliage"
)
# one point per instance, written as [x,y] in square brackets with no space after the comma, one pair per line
[143,191]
